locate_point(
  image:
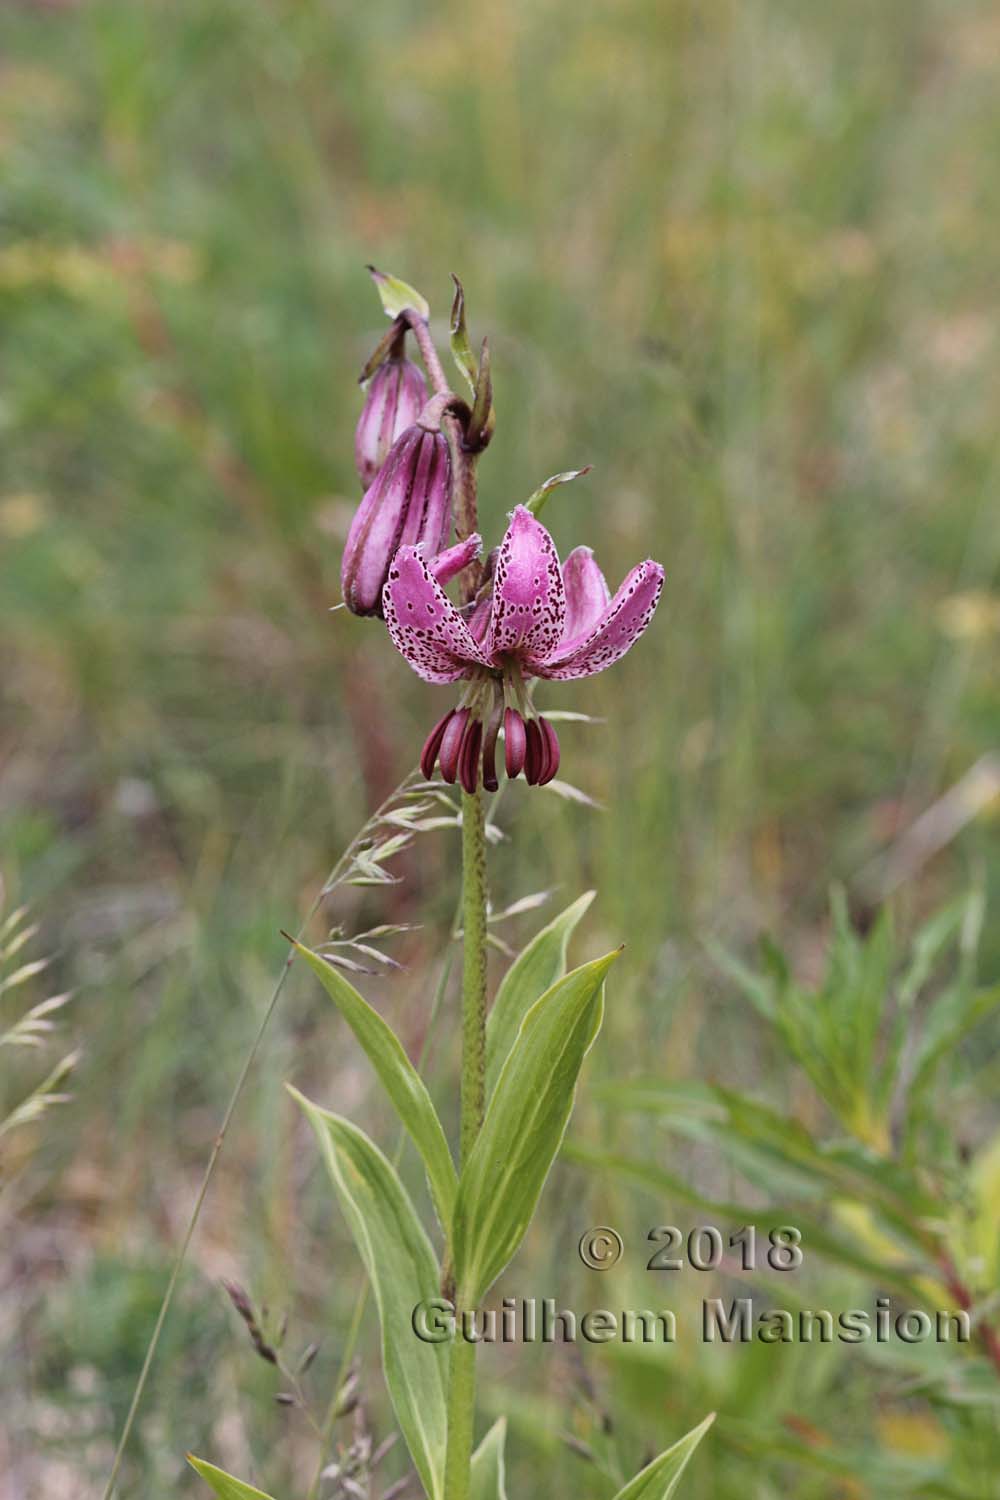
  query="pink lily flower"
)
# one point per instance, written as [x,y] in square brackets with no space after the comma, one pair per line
[536,619]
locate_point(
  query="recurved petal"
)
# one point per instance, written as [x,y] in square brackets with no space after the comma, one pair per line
[587,595]
[425,626]
[447,564]
[619,627]
[529,601]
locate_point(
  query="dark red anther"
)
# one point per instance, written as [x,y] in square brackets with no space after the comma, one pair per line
[551,740]
[451,744]
[535,755]
[468,760]
[514,743]
[432,745]
[490,782]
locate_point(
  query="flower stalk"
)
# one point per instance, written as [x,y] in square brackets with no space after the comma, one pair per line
[462,1369]
[473,969]
[461,1419]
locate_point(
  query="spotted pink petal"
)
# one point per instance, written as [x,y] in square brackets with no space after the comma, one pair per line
[587,596]
[448,564]
[425,626]
[529,601]
[478,617]
[620,626]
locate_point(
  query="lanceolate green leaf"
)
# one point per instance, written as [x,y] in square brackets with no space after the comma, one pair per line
[224,1484]
[461,349]
[525,1122]
[487,1474]
[539,498]
[397,296]
[535,970]
[399,1078]
[403,1272]
[659,1480]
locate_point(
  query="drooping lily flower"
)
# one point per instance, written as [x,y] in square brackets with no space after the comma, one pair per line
[394,398]
[534,619]
[408,502]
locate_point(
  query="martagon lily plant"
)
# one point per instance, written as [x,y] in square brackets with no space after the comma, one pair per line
[519,618]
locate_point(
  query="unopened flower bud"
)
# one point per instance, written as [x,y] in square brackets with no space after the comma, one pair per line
[394,398]
[408,502]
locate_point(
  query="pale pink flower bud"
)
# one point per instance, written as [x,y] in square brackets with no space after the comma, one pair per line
[394,399]
[408,503]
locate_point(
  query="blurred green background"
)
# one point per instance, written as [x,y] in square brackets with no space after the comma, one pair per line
[739,257]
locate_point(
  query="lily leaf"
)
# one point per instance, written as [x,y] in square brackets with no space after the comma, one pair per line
[525,1122]
[397,296]
[659,1480]
[398,1077]
[461,349]
[487,1480]
[534,971]
[403,1272]
[536,502]
[483,419]
[224,1484]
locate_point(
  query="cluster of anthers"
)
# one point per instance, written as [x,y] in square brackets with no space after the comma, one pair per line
[531,617]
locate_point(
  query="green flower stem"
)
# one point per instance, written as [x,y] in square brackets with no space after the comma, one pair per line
[462,1372]
[461,1418]
[473,969]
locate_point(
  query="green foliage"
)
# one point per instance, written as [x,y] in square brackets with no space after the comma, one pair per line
[538,498]
[398,297]
[872,1051]
[535,970]
[659,1480]
[461,349]
[224,1485]
[399,1078]
[883,1195]
[403,1273]
[524,1125]
[487,1476]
